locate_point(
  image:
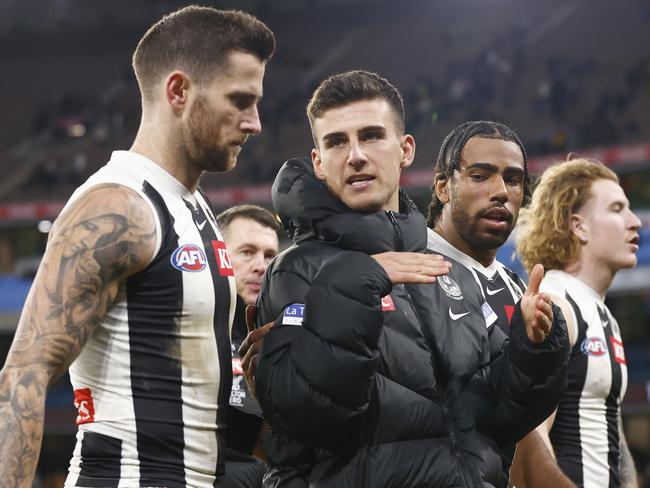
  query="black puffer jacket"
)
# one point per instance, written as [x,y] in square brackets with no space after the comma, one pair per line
[409,391]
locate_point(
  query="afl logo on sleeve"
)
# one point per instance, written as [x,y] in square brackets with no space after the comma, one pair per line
[593,346]
[188,257]
[223,258]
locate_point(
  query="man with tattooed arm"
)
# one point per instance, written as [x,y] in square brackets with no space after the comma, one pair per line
[135,292]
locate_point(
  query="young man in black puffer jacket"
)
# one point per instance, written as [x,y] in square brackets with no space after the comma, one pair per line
[371,375]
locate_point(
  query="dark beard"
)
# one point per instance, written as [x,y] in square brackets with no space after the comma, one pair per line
[467,229]
[199,149]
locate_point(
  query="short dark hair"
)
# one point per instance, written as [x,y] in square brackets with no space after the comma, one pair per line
[354,86]
[247,211]
[449,157]
[198,40]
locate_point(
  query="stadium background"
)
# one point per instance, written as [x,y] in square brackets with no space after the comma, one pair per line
[567,75]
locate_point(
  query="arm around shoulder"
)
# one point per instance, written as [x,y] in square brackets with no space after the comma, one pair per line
[107,234]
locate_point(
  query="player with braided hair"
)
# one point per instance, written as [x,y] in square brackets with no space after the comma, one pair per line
[480,182]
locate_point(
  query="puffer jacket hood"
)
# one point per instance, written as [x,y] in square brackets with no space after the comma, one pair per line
[308,210]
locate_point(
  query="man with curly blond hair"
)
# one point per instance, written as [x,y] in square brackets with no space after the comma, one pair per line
[581,228]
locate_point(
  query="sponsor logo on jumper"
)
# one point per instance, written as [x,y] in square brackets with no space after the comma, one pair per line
[510,310]
[450,287]
[236,366]
[387,304]
[188,257]
[201,225]
[456,316]
[223,258]
[83,401]
[619,352]
[237,392]
[593,346]
[492,292]
[293,314]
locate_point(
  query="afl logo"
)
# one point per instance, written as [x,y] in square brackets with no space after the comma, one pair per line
[593,346]
[188,257]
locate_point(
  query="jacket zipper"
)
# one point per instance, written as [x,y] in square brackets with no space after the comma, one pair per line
[399,246]
[464,471]
[399,239]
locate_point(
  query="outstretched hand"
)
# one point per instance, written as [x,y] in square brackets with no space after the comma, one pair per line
[536,308]
[251,346]
[412,267]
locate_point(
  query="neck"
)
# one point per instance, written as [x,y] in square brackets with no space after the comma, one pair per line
[598,278]
[393,204]
[157,143]
[484,256]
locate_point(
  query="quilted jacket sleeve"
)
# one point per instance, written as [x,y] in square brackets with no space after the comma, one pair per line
[315,380]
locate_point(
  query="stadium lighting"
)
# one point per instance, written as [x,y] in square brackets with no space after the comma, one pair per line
[44,226]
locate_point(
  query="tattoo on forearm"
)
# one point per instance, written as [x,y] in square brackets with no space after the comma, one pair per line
[74,288]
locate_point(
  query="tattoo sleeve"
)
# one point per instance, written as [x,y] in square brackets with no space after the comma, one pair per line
[106,235]
[628,470]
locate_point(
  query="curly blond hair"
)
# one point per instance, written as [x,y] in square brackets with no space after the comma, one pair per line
[543,233]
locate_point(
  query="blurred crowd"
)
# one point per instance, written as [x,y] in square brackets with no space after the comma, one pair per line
[557,103]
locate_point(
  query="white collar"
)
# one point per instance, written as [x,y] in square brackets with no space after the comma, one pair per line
[564,277]
[435,242]
[154,170]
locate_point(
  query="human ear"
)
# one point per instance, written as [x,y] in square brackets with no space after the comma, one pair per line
[176,89]
[318,164]
[441,186]
[408,151]
[578,227]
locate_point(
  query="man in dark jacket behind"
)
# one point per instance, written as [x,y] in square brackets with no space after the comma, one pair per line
[251,235]
[371,375]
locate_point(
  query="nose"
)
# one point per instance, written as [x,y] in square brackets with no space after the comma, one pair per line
[634,221]
[259,263]
[357,157]
[499,191]
[251,123]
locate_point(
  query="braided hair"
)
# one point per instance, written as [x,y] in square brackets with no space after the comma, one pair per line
[449,157]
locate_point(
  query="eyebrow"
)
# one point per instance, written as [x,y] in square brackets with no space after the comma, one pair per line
[371,128]
[334,135]
[491,168]
[245,94]
[363,130]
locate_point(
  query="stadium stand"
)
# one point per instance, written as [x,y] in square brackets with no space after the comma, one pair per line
[567,75]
